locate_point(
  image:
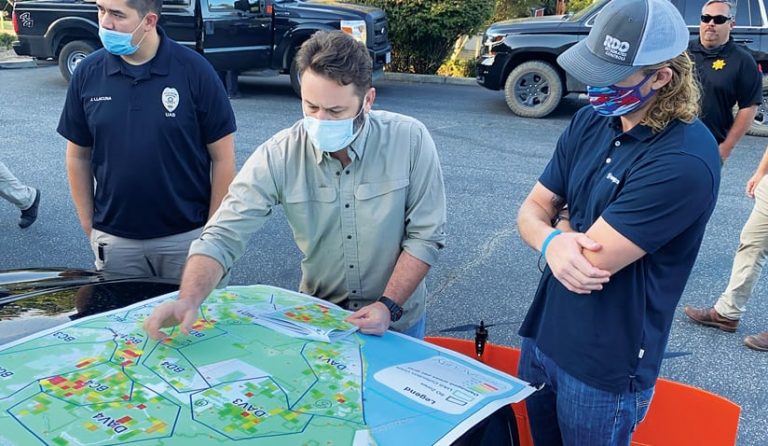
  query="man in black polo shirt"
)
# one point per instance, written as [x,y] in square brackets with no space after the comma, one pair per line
[728,75]
[150,143]
[725,69]
[640,175]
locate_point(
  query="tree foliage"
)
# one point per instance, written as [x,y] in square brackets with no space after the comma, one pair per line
[512,9]
[422,32]
[578,5]
[6,40]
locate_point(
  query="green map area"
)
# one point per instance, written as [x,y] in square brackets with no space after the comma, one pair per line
[104,381]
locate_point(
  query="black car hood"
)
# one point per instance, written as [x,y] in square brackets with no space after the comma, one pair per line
[35,299]
[528,24]
[22,281]
[332,6]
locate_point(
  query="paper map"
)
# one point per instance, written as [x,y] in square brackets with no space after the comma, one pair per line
[316,321]
[100,380]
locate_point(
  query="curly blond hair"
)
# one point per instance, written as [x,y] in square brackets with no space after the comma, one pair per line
[679,99]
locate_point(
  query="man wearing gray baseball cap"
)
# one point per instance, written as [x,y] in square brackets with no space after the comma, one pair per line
[640,175]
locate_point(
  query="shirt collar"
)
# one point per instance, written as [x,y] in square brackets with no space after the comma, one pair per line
[697,47]
[638,132]
[159,64]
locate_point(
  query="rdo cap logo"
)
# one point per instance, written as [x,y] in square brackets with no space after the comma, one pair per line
[615,44]
[615,47]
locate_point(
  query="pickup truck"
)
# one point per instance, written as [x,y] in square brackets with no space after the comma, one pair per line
[520,55]
[234,35]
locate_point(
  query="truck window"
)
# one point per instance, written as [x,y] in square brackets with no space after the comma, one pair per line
[692,13]
[232,5]
[221,5]
[748,13]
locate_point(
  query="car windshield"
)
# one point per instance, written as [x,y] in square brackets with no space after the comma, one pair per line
[586,11]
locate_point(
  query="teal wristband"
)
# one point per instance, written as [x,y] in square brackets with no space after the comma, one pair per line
[549,238]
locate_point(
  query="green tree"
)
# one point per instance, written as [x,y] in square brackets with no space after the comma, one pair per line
[577,5]
[512,9]
[423,32]
[6,39]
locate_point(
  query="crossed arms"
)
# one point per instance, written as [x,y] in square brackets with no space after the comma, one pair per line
[582,262]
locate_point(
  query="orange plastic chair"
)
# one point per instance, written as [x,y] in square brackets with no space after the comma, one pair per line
[500,358]
[680,415]
[683,415]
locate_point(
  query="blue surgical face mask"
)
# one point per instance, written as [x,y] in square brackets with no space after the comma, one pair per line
[618,101]
[332,135]
[119,43]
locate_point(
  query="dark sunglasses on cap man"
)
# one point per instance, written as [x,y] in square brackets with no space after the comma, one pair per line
[719,19]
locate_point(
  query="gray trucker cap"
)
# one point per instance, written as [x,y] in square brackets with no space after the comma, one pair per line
[626,36]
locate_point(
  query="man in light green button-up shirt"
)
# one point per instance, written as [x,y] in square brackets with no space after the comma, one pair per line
[362,191]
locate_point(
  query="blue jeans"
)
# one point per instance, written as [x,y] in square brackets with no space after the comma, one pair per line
[417,330]
[567,411]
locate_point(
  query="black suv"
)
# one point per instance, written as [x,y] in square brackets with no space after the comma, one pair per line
[238,35]
[520,55]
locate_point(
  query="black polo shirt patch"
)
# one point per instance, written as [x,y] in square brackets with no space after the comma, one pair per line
[170,99]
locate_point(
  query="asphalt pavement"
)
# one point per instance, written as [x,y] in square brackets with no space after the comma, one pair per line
[490,160]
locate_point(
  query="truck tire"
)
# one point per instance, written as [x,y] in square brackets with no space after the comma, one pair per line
[295,80]
[533,89]
[760,124]
[71,55]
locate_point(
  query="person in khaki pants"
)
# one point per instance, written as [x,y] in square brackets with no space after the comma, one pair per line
[26,198]
[747,266]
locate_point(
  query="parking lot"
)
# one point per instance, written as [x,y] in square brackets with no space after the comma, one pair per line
[490,160]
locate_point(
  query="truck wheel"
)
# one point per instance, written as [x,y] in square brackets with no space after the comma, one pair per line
[72,54]
[533,89]
[295,80]
[760,124]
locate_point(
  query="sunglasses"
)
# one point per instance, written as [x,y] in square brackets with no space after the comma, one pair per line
[719,19]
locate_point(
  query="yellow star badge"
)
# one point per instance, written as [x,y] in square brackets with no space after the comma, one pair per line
[719,64]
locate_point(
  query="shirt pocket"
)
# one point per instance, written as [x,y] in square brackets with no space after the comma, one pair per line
[368,191]
[321,194]
[382,203]
[311,208]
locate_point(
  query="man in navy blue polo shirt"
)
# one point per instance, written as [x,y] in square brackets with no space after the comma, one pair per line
[150,143]
[640,174]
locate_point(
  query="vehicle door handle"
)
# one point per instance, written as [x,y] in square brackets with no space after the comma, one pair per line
[282,14]
[743,40]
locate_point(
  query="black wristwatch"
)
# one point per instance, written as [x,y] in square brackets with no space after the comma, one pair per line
[395,310]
